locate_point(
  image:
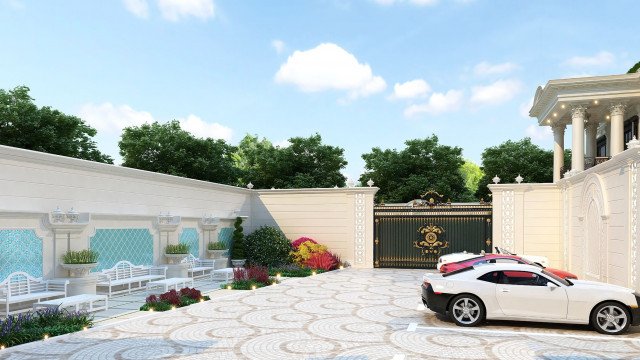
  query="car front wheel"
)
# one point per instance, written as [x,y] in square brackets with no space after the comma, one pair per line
[611,318]
[466,310]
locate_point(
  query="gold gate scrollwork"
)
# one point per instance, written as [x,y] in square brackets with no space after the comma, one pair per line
[432,240]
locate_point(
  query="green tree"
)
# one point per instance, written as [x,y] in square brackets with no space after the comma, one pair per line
[422,165]
[472,174]
[305,163]
[24,125]
[237,252]
[166,148]
[513,158]
[634,68]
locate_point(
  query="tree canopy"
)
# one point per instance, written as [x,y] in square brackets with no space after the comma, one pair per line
[422,165]
[634,68]
[472,173]
[305,163]
[167,148]
[24,125]
[513,158]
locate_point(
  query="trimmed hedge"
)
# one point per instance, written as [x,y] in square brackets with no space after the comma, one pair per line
[267,246]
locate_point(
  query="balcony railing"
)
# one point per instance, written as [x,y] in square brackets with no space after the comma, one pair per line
[589,162]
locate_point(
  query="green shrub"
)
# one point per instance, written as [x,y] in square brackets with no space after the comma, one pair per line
[268,246]
[216,246]
[287,271]
[32,326]
[176,249]
[243,285]
[80,257]
[238,251]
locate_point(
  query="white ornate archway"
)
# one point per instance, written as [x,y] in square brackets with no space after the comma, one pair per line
[594,216]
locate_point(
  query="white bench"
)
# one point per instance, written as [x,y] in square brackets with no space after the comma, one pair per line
[124,273]
[20,287]
[167,284]
[75,301]
[198,268]
[227,272]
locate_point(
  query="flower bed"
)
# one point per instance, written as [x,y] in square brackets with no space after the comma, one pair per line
[249,278]
[293,270]
[173,299]
[32,326]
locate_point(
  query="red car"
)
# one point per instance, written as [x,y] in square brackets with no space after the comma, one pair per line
[500,258]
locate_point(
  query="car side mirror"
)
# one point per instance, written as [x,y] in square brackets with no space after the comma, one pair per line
[551,285]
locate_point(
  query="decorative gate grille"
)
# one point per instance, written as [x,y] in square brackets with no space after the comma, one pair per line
[416,234]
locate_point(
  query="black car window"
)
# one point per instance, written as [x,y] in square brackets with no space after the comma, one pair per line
[522,278]
[491,277]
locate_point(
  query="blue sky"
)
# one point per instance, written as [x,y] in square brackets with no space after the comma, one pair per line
[361,73]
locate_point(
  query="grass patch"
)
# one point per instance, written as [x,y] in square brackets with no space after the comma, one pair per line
[292,272]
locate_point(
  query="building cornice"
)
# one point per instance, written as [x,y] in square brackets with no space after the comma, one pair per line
[353,190]
[583,90]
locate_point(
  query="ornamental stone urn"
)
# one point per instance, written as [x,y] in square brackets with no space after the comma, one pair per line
[216,254]
[238,262]
[79,270]
[174,259]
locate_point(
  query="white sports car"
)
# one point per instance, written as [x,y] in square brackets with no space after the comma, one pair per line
[461,256]
[529,293]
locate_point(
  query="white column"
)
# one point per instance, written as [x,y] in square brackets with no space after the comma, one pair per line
[617,128]
[578,114]
[558,150]
[591,130]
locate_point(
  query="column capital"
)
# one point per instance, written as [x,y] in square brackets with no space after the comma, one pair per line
[617,109]
[578,111]
[558,127]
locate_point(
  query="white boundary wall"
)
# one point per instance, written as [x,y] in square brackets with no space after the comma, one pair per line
[587,224]
[33,184]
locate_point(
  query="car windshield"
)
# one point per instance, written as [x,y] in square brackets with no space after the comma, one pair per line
[557,278]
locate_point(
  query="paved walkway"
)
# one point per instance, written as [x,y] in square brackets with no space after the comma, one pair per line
[348,314]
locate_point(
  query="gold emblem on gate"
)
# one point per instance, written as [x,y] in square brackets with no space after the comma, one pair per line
[432,240]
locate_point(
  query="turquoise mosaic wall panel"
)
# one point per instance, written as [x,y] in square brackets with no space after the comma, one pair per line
[21,251]
[225,235]
[190,237]
[113,245]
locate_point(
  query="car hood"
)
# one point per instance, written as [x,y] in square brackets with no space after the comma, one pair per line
[595,285]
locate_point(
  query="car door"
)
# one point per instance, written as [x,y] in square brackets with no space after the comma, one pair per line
[525,294]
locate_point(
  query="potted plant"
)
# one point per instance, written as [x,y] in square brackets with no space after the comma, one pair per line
[216,249]
[237,253]
[79,263]
[176,252]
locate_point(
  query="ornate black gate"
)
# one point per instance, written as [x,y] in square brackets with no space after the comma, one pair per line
[416,234]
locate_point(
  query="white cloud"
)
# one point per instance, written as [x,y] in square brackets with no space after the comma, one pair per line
[110,119]
[278,45]
[525,107]
[282,144]
[329,67]
[484,68]
[539,133]
[198,127]
[411,89]
[413,2]
[438,103]
[176,10]
[139,8]
[600,59]
[495,93]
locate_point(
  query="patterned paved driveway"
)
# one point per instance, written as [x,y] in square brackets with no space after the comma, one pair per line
[348,314]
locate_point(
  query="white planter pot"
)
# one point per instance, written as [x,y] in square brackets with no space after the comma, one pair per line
[238,262]
[78,270]
[216,254]
[175,258]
